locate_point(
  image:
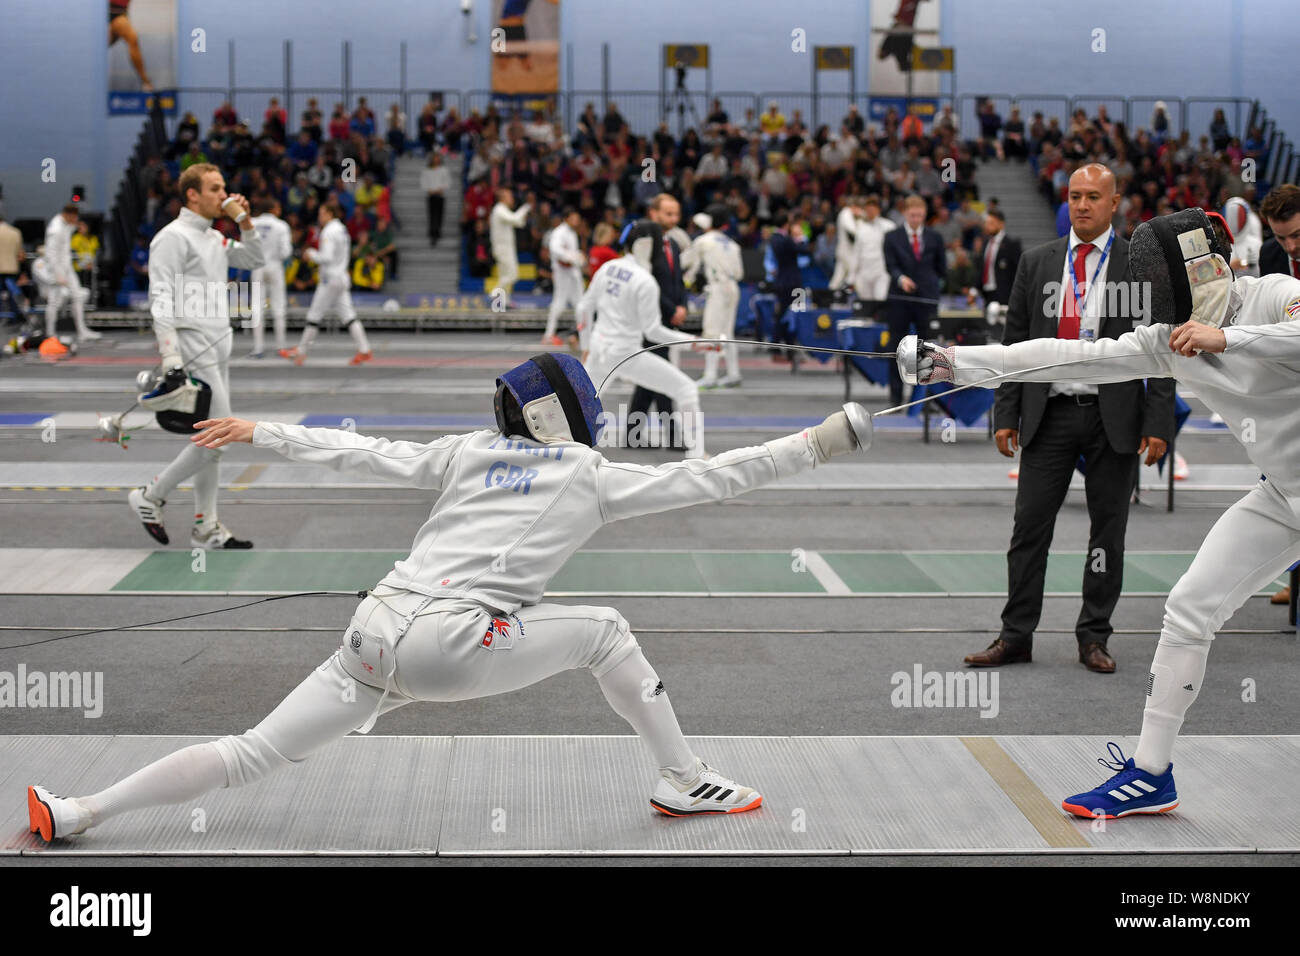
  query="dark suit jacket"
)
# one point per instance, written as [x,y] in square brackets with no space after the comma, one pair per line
[1129,410]
[1273,259]
[786,253]
[1004,268]
[927,272]
[672,290]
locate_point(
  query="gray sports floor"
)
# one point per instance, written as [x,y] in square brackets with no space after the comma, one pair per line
[791,684]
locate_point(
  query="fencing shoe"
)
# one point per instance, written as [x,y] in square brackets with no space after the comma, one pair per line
[1131,790]
[709,792]
[216,537]
[150,513]
[55,817]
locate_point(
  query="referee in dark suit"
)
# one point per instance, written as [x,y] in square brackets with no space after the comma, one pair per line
[1067,289]
[666,266]
[1000,258]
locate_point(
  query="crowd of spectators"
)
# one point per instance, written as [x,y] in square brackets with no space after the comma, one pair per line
[761,167]
[349,157]
[1156,173]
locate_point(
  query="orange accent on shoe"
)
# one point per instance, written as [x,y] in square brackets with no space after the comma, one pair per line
[361,357]
[38,816]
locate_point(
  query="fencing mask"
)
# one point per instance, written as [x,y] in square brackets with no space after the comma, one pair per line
[1182,264]
[177,400]
[550,398]
[640,239]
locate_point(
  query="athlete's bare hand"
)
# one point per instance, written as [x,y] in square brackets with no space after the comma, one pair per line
[1193,337]
[222,431]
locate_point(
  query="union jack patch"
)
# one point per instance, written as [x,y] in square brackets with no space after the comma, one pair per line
[1293,308]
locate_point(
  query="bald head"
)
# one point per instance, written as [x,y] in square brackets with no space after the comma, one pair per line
[1092,200]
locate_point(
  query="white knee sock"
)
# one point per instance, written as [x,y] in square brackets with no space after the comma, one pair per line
[692,426]
[630,690]
[732,353]
[259,331]
[51,318]
[207,481]
[79,312]
[553,317]
[185,464]
[1177,672]
[358,333]
[711,364]
[177,778]
[309,332]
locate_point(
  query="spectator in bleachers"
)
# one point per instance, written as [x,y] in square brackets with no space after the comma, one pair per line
[435,181]
[358,223]
[368,273]
[990,126]
[275,121]
[1220,134]
[193,155]
[367,194]
[300,274]
[426,126]
[363,119]
[395,129]
[137,266]
[311,121]
[85,253]
[304,151]
[225,115]
[1014,144]
[772,123]
[480,249]
[340,127]
[613,122]
[384,241]
[1160,122]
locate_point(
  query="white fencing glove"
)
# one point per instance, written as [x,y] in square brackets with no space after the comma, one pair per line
[171,360]
[924,363]
[848,430]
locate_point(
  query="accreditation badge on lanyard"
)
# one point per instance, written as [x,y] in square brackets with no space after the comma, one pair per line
[1087,335]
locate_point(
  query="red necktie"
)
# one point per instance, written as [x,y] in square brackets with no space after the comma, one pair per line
[988,261]
[916,245]
[668,252]
[1069,325]
[1295,267]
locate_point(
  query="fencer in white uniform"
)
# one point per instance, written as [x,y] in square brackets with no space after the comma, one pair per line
[846,228]
[462,617]
[333,287]
[62,286]
[626,297]
[566,271]
[502,223]
[1247,236]
[189,298]
[870,277]
[1247,332]
[718,256]
[277,246]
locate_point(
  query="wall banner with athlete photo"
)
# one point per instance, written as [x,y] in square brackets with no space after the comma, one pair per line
[891,46]
[525,46]
[141,55]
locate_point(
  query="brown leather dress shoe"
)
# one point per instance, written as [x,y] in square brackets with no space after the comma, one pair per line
[1094,657]
[1281,597]
[998,653]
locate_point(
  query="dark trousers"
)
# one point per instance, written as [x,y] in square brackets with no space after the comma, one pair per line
[643,399]
[1047,463]
[901,317]
[435,204]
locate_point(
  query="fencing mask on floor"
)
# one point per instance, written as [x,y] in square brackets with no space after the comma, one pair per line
[1181,263]
[550,398]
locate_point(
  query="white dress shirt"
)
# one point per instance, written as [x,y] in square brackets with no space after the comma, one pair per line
[1091,313]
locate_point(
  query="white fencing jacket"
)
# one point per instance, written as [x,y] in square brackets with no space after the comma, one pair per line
[190,252]
[1254,384]
[502,224]
[719,258]
[625,297]
[509,513]
[276,239]
[334,255]
[58,250]
[564,247]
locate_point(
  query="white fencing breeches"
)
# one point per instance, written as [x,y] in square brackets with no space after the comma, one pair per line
[1253,542]
[271,279]
[451,650]
[658,375]
[203,464]
[57,296]
[872,283]
[843,268]
[720,322]
[568,290]
[507,274]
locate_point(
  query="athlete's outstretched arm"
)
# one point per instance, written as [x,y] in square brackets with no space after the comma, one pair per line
[1144,352]
[408,463]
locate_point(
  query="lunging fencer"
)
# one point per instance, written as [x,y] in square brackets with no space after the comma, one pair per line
[462,616]
[334,289]
[626,297]
[189,301]
[718,255]
[1237,343]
